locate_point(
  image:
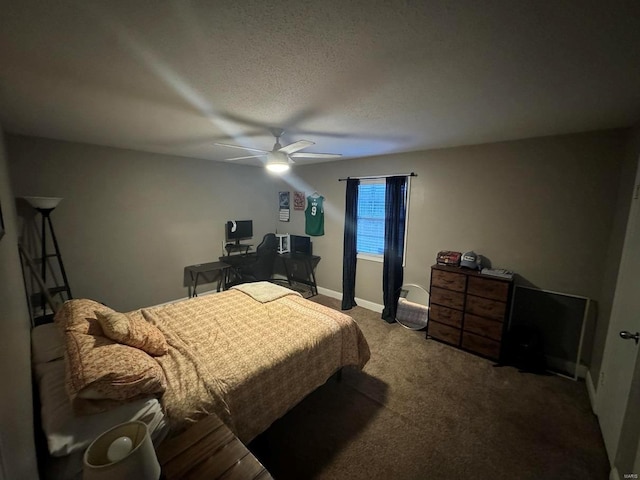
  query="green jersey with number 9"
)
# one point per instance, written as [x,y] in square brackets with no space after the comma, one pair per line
[314,216]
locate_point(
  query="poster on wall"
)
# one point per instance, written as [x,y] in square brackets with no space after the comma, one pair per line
[283,205]
[298,200]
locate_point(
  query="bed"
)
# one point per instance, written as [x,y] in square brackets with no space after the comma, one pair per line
[248,355]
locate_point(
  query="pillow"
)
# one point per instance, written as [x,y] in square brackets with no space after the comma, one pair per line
[133,330]
[79,315]
[67,433]
[107,372]
[47,343]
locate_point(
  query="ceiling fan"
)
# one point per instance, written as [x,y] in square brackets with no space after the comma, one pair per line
[280,157]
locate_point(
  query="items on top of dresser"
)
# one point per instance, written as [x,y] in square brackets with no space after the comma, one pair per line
[447,257]
[468,259]
[471,260]
[498,272]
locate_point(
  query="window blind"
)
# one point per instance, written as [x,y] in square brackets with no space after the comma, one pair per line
[371,208]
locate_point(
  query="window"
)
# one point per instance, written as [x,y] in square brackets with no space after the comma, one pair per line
[370,236]
[371,212]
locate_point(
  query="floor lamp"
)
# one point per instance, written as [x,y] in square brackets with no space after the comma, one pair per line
[46,205]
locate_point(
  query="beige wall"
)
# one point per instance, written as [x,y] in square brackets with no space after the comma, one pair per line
[130,221]
[545,208]
[541,207]
[17,454]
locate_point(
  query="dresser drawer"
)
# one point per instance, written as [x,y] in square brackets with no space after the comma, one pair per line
[447,298]
[484,287]
[481,345]
[444,332]
[449,280]
[445,315]
[486,307]
[483,326]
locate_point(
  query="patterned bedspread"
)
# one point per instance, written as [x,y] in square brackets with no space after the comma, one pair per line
[250,361]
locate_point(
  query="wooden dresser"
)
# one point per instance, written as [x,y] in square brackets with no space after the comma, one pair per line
[468,310]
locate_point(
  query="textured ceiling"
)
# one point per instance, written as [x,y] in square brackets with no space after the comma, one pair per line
[357,77]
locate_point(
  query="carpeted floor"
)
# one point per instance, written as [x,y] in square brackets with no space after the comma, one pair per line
[422,410]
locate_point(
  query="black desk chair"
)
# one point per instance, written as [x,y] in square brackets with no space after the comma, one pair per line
[256,267]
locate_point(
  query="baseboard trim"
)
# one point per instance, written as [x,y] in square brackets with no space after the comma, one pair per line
[329,293]
[591,389]
[376,307]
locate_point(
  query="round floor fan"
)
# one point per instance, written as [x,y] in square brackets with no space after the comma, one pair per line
[279,159]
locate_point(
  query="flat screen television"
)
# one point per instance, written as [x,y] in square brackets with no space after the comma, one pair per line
[237,230]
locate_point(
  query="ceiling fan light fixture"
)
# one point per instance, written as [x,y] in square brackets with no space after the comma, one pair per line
[280,158]
[277,167]
[277,162]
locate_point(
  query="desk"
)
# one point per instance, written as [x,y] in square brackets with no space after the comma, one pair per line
[202,269]
[299,268]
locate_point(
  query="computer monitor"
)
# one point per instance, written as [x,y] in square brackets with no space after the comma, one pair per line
[300,244]
[237,230]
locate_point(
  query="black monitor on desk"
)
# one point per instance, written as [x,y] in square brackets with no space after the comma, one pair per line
[301,244]
[236,230]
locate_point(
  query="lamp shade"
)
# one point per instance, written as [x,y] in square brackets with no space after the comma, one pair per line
[123,452]
[45,203]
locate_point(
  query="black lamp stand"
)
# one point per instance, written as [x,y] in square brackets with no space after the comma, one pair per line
[46,222]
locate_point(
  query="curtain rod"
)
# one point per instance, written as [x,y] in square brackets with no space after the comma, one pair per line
[412,174]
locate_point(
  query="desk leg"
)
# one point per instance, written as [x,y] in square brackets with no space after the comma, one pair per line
[190,286]
[286,270]
[195,284]
[312,275]
[226,278]
[223,279]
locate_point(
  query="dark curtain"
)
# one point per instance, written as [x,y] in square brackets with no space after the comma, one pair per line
[394,221]
[350,253]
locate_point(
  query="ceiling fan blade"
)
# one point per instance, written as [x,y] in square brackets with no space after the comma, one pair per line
[316,155]
[295,146]
[242,158]
[242,148]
